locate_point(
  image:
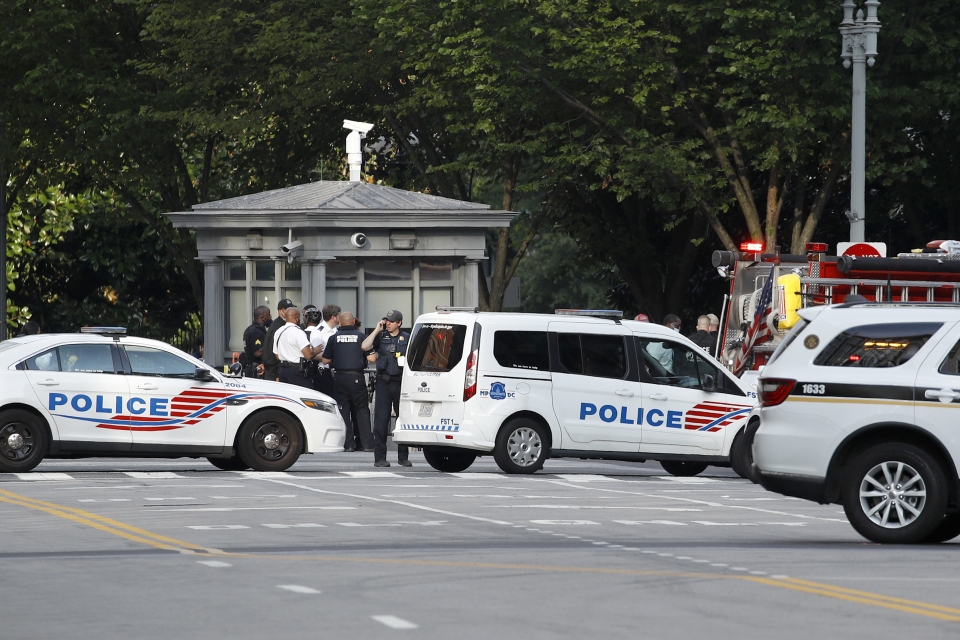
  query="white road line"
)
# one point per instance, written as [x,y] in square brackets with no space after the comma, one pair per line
[563,522]
[303,525]
[264,474]
[214,563]
[683,480]
[636,522]
[152,474]
[107,500]
[571,506]
[394,622]
[585,477]
[44,476]
[399,502]
[371,474]
[296,588]
[213,527]
[246,508]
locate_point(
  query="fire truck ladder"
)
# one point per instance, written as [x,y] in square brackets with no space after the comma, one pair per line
[810,287]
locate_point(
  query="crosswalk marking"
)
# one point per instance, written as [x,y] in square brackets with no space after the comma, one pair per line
[371,474]
[394,622]
[213,527]
[214,563]
[302,525]
[155,475]
[585,477]
[44,476]
[296,588]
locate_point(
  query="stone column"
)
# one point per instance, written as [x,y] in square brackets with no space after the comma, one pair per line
[214,316]
[470,295]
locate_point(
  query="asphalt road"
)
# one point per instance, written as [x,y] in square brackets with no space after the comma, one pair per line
[336,549]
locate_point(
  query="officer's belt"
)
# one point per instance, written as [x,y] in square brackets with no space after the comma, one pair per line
[348,370]
[284,365]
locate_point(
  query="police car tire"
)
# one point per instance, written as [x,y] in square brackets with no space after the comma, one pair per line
[229,464]
[32,433]
[683,469]
[932,511]
[741,456]
[948,529]
[507,440]
[449,460]
[252,441]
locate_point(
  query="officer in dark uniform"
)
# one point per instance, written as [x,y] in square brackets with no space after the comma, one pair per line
[344,353]
[271,365]
[254,338]
[390,346]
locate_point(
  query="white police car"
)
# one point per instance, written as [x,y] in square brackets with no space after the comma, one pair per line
[860,405]
[526,387]
[101,393]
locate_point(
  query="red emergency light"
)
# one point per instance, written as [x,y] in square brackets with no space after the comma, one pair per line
[751,247]
[816,247]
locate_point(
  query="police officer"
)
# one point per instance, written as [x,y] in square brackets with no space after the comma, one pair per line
[390,345]
[292,346]
[318,340]
[344,352]
[271,366]
[311,320]
[254,337]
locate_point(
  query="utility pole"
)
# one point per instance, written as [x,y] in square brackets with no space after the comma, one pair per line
[860,48]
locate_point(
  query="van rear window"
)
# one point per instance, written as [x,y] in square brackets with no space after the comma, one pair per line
[877,345]
[436,346]
[522,350]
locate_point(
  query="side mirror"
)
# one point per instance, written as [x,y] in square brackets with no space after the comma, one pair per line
[203,375]
[236,370]
[709,384]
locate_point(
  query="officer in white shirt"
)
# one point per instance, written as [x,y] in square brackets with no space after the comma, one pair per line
[323,380]
[291,344]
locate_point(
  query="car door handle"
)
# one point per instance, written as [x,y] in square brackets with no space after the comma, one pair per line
[658,396]
[148,387]
[943,395]
[48,383]
[625,392]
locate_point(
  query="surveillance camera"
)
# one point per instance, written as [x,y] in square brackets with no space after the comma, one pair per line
[359,240]
[290,247]
[361,127]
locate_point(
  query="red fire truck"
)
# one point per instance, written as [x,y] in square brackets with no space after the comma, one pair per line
[928,275]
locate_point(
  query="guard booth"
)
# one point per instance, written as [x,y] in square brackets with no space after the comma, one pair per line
[367,248]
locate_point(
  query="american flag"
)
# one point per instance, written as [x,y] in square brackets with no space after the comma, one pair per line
[758,332]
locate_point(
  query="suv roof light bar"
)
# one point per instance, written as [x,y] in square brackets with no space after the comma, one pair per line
[606,314]
[105,331]
[455,309]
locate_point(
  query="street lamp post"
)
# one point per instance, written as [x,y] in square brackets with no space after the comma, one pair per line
[860,48]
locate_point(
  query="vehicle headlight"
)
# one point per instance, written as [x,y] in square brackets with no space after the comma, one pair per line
[322,405]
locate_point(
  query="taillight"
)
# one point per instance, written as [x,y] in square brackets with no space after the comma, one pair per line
[470,377]
[773,391]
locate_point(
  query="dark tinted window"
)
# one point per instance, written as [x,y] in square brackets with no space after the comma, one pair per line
[147,361]
[593,355]
[951,366]
[521,350]
[46,361]
[436,346]
[877,345]
[86,358]
[570,357]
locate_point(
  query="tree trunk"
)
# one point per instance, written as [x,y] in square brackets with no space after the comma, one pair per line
[498,277]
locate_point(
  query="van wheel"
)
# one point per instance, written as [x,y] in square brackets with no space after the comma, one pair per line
[23,441]
[741,455]
[269,441]
[521,446]
[229,464]
[895,493]
[683,469]
[449,460]
[948,529]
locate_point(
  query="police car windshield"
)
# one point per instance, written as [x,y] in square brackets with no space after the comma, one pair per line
[436,346]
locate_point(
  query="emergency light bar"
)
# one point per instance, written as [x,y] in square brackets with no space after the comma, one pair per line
[461,309]
[751,247]
[105,331]
[816,247]
[609,314]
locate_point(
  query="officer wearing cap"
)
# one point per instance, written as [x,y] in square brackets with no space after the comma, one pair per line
[390,346]
[254,338]
[344,353]
[271,365]
[292,345]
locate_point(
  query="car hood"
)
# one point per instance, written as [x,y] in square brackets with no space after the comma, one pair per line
[275,388]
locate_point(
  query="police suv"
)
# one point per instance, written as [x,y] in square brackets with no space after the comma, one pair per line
[581,384]
[100,393]
[860,406]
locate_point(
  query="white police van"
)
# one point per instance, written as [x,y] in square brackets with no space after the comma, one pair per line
[860,406]
[580,384]
[100,393]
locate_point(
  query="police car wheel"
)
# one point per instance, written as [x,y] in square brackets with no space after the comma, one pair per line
[449,460]
[23,441]
[683,469]
[521,446]
[741,456]
[895,493]
[948,529]
[270,441]
[229,464]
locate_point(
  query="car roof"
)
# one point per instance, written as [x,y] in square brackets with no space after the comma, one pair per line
[16,349]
